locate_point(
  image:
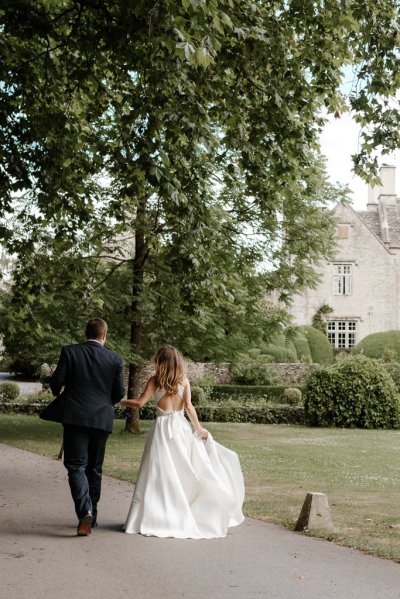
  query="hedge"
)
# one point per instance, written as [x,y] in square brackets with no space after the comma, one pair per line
[376,344]
[21,408]
[270,414]
[272,392]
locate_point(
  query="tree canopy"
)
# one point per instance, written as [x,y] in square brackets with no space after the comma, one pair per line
[194,125]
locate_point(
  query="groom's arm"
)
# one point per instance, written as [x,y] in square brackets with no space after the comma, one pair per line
[59,376]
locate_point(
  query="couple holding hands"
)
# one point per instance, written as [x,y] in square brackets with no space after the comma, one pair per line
[188,485]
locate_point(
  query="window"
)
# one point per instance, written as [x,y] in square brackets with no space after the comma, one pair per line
[342,333]
[342,279]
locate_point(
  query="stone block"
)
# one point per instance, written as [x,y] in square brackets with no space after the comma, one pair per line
[315,513]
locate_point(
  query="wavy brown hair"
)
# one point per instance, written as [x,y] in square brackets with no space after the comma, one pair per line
[170,368]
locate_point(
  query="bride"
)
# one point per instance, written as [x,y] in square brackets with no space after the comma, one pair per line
[188,486]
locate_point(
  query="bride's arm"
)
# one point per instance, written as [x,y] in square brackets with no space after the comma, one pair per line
[191,412]
[143,399]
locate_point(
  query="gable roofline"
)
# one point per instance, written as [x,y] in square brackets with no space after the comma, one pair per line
[365,225]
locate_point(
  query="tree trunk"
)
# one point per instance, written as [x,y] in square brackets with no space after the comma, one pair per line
[133,420]
[141,252]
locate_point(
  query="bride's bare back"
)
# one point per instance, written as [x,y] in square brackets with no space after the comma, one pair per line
[172,402]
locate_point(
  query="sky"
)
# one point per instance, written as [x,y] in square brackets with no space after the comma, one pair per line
[339,140]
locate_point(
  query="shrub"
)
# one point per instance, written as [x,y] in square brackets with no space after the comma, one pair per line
[198,396]
[389,355]
[301,345]
[312,345]
[320,348]
[206,383]
[356,392]
[292,396]
[9,391]
[252,373]
[393,368]
[254,353]
[281,354]
[281,348]
[378,344]
[43,397]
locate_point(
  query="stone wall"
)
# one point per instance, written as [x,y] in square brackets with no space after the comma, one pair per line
[195,370]
[292,374]
[287,374]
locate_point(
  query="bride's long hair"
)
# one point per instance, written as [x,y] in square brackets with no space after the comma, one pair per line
[170,368]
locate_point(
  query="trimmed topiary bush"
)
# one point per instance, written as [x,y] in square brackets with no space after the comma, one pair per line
[206,382]
[292,396]
[378,344]
[282,353]
[302,347]
[312,346]
[198,395]
[356,392]
[9,391]
[320,348]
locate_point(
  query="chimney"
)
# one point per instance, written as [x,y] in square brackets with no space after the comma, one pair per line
[388,190]
[373,195]
[384,194]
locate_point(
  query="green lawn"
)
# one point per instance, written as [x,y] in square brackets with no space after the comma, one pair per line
[359,470]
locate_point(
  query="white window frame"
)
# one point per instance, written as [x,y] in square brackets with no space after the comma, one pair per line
[342,279]
[342,333]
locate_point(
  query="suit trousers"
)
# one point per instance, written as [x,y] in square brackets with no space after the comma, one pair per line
[84,450]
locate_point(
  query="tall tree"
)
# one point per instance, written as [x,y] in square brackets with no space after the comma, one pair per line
[192,123]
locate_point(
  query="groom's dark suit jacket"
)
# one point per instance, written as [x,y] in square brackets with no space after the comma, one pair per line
[93,380]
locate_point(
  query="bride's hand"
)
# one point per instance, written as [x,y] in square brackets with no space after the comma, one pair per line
[202,433]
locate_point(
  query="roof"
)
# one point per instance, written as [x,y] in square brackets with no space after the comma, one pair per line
[393,214]
[372,220]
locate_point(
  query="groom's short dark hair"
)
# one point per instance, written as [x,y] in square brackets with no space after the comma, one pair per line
[96,328]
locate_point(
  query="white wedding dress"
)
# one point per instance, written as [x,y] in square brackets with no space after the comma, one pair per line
[187,488]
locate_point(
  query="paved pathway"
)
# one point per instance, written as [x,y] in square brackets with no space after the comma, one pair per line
[41,556]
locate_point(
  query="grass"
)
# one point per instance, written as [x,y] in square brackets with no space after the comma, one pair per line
[357,469]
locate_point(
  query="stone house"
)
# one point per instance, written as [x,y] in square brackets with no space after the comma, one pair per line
[362,283]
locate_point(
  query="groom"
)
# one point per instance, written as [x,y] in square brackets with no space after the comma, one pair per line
[93,381]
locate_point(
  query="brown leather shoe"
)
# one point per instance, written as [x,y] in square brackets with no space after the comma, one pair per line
[85,526]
